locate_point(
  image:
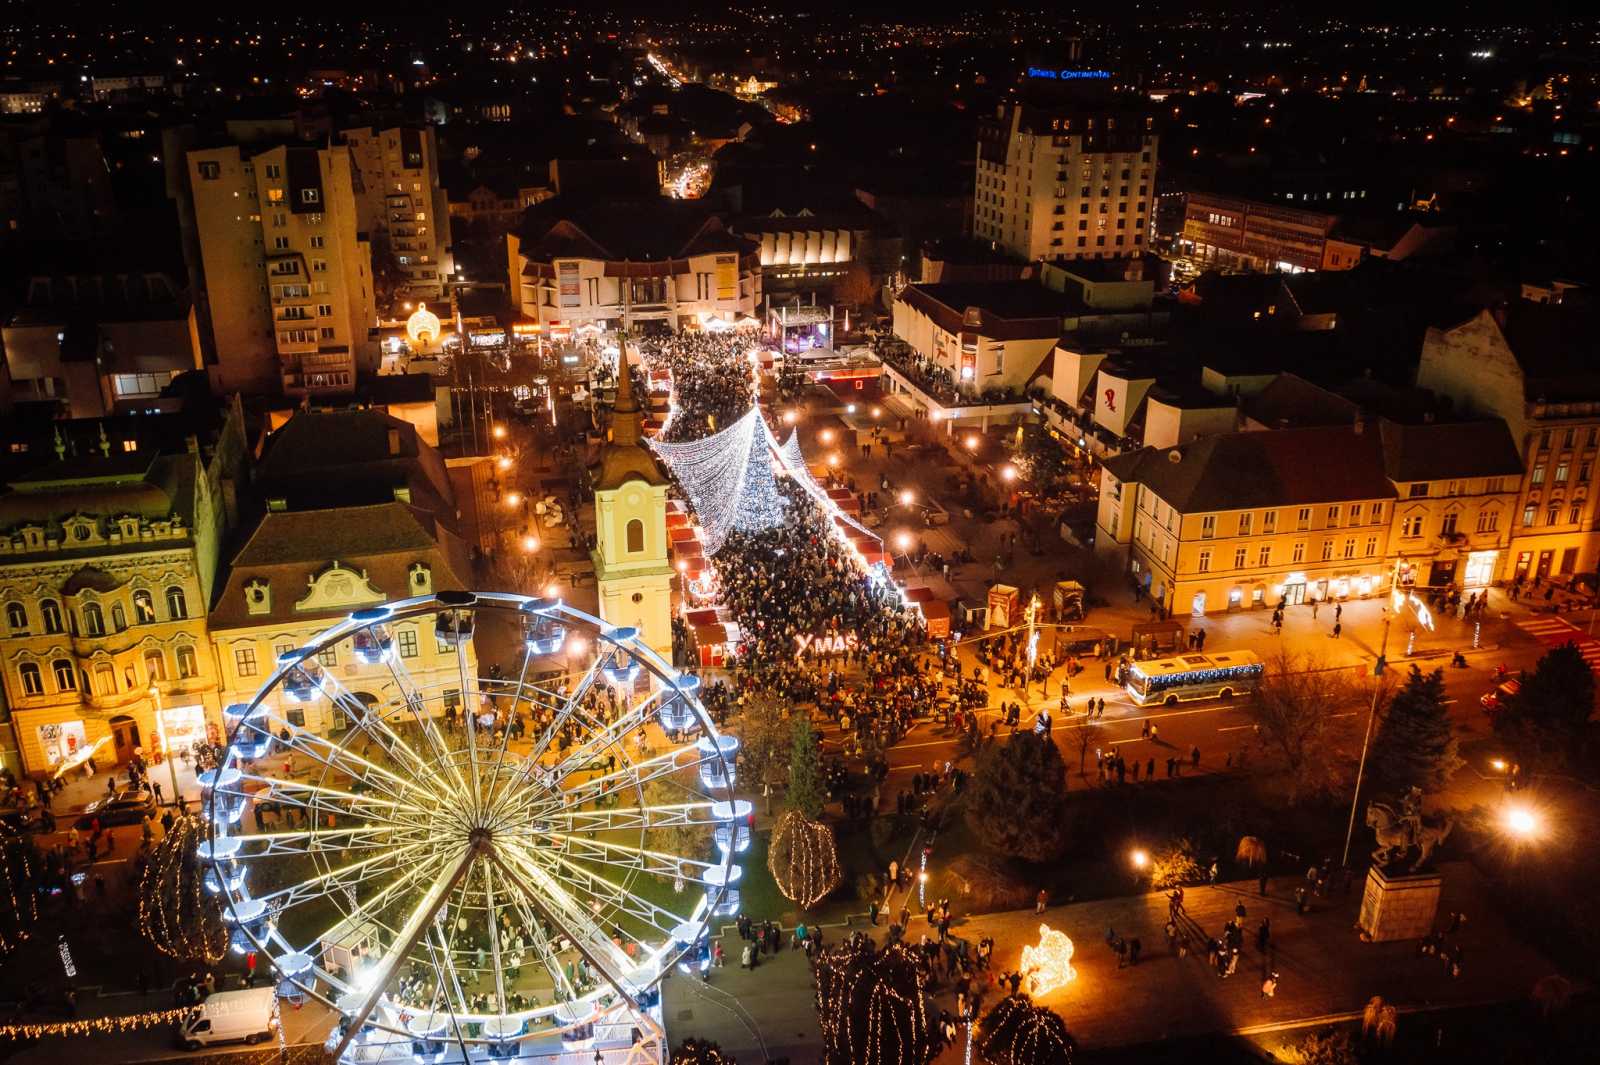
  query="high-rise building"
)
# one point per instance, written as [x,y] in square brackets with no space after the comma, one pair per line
[1068,172]
[400,204]
[287,274]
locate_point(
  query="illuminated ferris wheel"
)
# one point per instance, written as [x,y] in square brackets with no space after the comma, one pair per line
[481,860]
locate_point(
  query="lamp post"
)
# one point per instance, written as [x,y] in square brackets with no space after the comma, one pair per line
[161,732]
[1366,739]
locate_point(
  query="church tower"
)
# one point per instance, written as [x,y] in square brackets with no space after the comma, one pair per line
[630,510]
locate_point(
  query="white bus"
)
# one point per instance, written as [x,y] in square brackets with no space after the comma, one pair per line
[1196,676]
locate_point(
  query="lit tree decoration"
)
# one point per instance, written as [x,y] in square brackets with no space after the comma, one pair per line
[870,1005]
[176,912]
[1048,965]
[18,906]
[1016,1032]
[694,1051]
[803,859]
[728,479]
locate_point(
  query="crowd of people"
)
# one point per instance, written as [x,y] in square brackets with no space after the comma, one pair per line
[712,383]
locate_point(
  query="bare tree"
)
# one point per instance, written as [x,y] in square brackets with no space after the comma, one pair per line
[1293,713]
[765,741]
[1085,741]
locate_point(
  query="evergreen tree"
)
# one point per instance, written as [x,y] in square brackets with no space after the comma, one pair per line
[1416,743]
[1548,717]
[1016,803]
[806,793]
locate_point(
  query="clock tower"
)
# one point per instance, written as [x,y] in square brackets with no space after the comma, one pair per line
[631,568]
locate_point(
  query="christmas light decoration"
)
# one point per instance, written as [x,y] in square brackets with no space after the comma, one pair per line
[20,907]
[1048,965]
[1016,1032]
[728,479]
[803,859]
[176,914]
[870,1004]
[131,1022]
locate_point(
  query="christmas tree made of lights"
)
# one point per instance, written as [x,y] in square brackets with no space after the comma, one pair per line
[728,479]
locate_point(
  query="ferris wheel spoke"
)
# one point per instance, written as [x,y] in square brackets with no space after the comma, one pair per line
[340,759]
[543,949]
[320,798]
[416,925]
[412,699]
[637,818]
[374,724]
[345,876]
[313,840]
[585,881]
[636,774]
[498,779]
[494,937]
[373,906]
[573,705]
[611,735]
[455,981]
[564,914]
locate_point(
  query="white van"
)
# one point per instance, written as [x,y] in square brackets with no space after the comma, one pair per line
[248,1016]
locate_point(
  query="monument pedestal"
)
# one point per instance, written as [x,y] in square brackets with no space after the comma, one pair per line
[1399,906]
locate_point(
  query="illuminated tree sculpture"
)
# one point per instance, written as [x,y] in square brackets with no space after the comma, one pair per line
[18,902]
[870,1005]
[1016,1032]
[176,911]
[804,859]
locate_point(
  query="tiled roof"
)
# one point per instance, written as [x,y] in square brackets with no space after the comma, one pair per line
[1243,471]
[1442,451]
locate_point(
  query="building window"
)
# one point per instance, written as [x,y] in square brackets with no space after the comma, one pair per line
[66,675]
[17,617]
[1208,526]
[274,171]
[51,612]
[119,618]
[319,241]
[1537,476]
[1204,563]
[1372,546]
[310,195]
[209,171]
[1238,558]
[1488,520]
[280,243]
[1244,523]
[635,536]
[155,666]
[408,643]
[1302,519]
[1349,549]
[1552,514]
[144,607]
[244,661]
[1447,526]
[1528,514]
[32,682]
[94,621]
[1576,513]
[1327,550]
[188,664]
[1561,471]
[1264,555]
[1376,510]
[1355,514]
[1333,516]
[329,656]
[1269,522]
[177,605]
[1298,554]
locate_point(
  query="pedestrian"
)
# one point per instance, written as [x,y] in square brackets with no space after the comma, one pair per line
[1269,986]
[872,912]
[1194,756]
[1264,935]
[1261,885]
[156,785]
[1150,769]
[1313,610]
[1040,901]
[1337,628]
[1338,612]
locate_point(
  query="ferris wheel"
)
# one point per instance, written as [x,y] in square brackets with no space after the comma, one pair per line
[506,841]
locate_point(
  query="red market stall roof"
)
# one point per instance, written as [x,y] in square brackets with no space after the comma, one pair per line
[676,519]
[681,533]
[936,612]
[919,594]
[704,616]
[707,635]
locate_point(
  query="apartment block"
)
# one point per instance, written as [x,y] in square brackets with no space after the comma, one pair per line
[399,202]
[1067,179]
[286,271]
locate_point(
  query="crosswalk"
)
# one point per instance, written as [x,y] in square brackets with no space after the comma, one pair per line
[1553,631]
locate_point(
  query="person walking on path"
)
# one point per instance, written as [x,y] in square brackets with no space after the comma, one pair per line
[1041,900]
[872,912]
[1269,986]
[1264,935]
[1337,628]
[1194,756]
[1261,884]
[1338,612]
[1313,610]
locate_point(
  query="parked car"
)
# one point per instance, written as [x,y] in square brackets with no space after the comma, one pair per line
[128,806]
[19,818]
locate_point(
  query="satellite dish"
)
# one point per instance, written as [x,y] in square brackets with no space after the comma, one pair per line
[1174,456]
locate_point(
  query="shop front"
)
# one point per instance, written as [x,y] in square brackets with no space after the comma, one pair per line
[61,741]
[183,726]
[1442,573]
[1479,572]
[1294,588]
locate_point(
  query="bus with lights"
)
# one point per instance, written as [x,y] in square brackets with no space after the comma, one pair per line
[1185,678]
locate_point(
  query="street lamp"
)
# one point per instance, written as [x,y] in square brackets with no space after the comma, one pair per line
[530,543]
[513,499]
[1140,858]
[505,462]
[972,443]
[499,432]
[907,497]
[1008,473]
[1521,822]
[827,436]
[161,732]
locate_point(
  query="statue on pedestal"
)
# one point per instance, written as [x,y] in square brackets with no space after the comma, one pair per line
[1401,833]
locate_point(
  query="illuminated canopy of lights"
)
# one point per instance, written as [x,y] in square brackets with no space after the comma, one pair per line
[1048,965]
[728,479]
[423,326]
